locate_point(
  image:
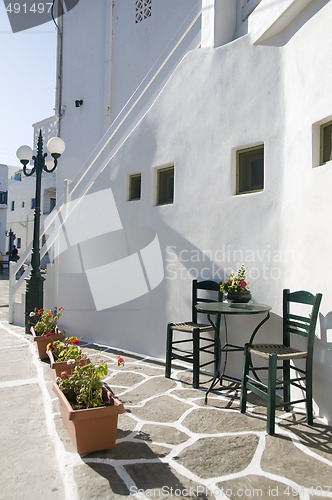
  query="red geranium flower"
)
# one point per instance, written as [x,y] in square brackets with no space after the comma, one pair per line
[120,361]
[243,284]
[48,335]
[74,341]
[63,374]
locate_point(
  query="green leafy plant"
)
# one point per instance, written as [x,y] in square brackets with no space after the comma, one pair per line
[45,321]
[83,388]
[236,282]
[66,350]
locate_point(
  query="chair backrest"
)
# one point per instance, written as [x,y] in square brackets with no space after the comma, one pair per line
[197,296]
[298,324]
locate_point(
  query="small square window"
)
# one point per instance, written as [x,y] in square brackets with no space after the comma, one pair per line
[52,203]
[250,170]
[165,186]
[326,142]
[135,187]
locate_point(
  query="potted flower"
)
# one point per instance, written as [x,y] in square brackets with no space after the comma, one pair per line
[89,410]
[44,328]
[64,356]
[236,287]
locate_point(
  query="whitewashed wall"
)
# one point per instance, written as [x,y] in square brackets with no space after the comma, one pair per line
[218,100]
[106,54]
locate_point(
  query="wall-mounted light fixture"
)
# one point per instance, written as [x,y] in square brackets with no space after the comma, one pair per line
[78,103]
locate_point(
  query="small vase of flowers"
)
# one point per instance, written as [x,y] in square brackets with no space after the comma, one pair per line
[236,287]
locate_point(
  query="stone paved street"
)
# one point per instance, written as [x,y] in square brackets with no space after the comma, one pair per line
[169,444]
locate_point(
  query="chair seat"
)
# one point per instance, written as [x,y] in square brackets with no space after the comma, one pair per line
[190,326]
[282,352]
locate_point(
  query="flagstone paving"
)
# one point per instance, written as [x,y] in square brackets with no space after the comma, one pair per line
[169,443]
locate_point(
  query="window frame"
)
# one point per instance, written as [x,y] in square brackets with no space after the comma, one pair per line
[3,197]
[239,153]
[159,172]
[322,130]
[132,177]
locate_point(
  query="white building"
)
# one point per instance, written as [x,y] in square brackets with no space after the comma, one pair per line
[221,157]
[3,207]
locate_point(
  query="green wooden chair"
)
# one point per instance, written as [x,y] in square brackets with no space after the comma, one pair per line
[193,333]
[293,324]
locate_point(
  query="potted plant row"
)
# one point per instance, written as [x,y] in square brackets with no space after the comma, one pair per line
[44,328]
[89,410]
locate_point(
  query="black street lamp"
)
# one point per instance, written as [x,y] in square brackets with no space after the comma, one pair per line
[10,235]
[34,286]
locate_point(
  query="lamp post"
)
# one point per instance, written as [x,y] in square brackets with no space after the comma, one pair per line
[10,235]
[34,286]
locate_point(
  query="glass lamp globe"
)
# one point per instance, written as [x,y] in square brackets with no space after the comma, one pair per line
[56,146]
[24,153]
[49,164]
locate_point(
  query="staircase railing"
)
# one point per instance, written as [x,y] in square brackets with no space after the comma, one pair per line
[186,38]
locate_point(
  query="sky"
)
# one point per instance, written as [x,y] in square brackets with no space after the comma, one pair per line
[27,83]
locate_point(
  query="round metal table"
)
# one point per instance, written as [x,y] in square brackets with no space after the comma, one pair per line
[225,308]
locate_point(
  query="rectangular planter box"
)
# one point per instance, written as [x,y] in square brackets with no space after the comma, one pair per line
[42,341]
[91,429]
[61,366]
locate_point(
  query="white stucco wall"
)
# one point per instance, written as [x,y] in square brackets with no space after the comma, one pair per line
[84,65]
[219,100]
[106,55]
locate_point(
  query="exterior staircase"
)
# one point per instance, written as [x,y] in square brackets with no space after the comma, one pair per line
[186,39]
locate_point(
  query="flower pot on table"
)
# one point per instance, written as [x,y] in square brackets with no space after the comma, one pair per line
[238,297]
[61,366]
[42,341]
[91,429]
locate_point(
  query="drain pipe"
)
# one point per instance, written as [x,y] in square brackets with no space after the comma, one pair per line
[59,62]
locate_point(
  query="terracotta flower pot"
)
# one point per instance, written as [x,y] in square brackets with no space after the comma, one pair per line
[42,341]
[91,429]
[61,366]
